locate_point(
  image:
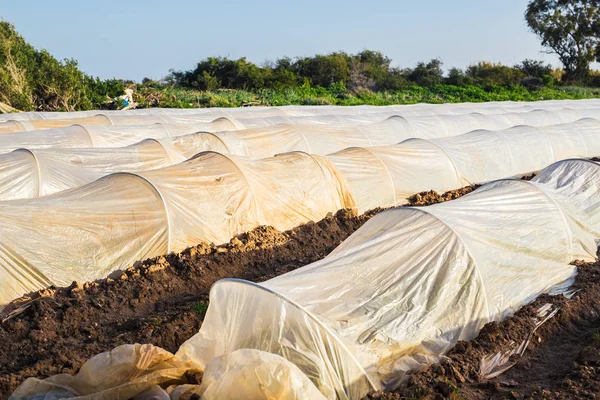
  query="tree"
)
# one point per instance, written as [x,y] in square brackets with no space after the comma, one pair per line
[570,29]
[325,70]
[488,74]
[426,74]
[32,79]
[457,77]
[533,68]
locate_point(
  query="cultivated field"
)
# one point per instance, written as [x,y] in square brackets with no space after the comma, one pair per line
[423,251]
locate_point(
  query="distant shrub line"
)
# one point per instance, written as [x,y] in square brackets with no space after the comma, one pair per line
[32,79]
[162,95]
[351,79]
[367,70]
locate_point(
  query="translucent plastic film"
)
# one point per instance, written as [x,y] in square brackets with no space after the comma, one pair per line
[410,283]
[78,136]
[266,139]
[84,234]
[309,111]
[394,296]
[388,175]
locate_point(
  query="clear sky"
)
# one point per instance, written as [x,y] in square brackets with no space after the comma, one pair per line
[133,39]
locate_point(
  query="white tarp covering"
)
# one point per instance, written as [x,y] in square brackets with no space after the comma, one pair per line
[35,124]
[491,119]
[377,176]
[28,173]
[197,124]
[266,141]
[388,175]
[323,139]
[255,117]
[213,197]
[36,173]
[394,296]
[83,234]
[250,112]
[78,136]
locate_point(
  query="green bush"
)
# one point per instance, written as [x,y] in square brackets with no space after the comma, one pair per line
[366,71]
[488,74]
[426,74]
[33,79]
[167,96]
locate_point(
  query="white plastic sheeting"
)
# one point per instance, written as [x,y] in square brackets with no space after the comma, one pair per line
[35,173]
[582,188]
[240,118]
[269,140]
[26,173]
[323,139]
[377,176]
[441,121]
[394,296]
[78,136]
[388,175]
[35,124]
[83,234]
[217,124]
[245,112]
[10,126]
[213,197]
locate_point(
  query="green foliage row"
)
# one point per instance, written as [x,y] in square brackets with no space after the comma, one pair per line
[157,95]
[32,79]
[367,70]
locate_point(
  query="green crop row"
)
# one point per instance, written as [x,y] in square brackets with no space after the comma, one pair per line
[158,95]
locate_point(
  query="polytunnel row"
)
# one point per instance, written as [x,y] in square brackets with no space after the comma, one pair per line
[268,141]
[88,232]
[376,176]
[411,109]
[102,121]
[315,139]
[490,120]
[213,197]
[389,175]
[29,173]
[79,136]
[230,120]
[393,297]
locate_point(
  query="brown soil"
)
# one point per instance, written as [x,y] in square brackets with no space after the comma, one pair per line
[433,197]
[562,359]
[528,177]
[162,302]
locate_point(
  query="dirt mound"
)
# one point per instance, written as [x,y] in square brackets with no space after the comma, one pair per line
[561,360]
[528,177]
[433,197]
[159,301]
[162,301]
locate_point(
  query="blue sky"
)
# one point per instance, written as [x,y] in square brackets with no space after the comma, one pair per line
[136,39]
